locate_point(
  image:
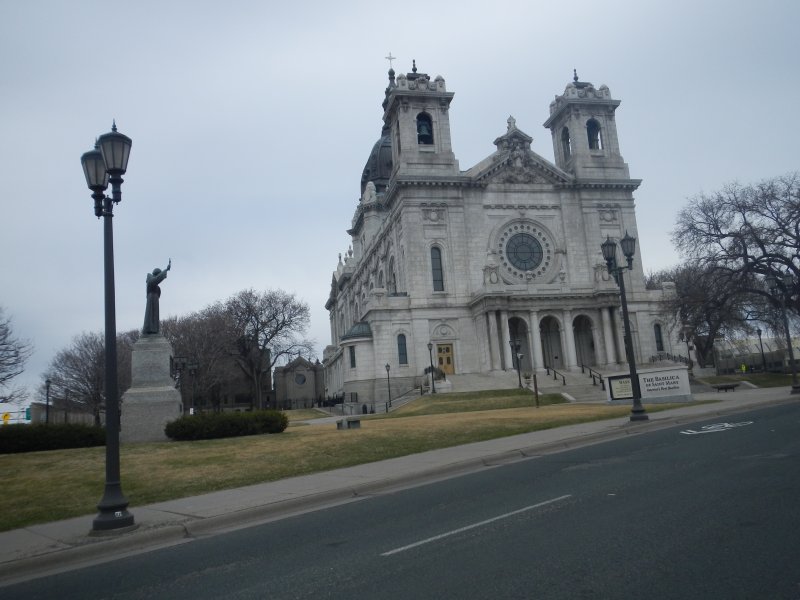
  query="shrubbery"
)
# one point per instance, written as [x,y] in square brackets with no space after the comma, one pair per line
[208,426]
[20,437]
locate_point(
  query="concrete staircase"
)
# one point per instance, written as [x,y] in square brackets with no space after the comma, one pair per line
[578,388]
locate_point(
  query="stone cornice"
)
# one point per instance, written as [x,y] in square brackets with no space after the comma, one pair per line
[608,184]
[542,300]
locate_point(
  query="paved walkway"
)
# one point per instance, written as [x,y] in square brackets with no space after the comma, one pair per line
[59,546]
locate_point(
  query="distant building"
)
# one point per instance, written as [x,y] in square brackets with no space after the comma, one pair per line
[472,261]
[299,384]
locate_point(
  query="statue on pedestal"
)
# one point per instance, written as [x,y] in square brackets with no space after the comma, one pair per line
[151,320]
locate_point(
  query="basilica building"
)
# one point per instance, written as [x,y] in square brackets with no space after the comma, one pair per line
[459,268]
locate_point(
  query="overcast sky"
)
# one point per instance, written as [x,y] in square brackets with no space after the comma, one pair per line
[252,120]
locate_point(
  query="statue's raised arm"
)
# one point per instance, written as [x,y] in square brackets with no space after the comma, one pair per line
[151,318]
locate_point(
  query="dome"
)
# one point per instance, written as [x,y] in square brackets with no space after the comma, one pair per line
[379,164]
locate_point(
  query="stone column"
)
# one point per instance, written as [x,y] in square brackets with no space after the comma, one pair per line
[569,335]
[494,351]
[536,341]
[485,352]
[597,334]
[608,336]
[504,341]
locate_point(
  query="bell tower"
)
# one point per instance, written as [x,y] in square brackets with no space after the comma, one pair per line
[416,114]
[585,133]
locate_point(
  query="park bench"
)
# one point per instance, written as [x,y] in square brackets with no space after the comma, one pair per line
[349,423]
[725,386]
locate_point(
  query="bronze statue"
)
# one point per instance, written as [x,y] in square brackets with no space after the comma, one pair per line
[151,321]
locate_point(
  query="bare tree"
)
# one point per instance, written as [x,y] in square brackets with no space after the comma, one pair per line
[79,368]
[267,327]
[14,353]
[743,231]
[203,339]
[707,305]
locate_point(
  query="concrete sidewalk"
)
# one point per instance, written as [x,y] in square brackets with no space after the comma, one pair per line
[53,547]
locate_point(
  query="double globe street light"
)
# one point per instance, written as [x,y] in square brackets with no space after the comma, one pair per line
[609,249]
[106,164]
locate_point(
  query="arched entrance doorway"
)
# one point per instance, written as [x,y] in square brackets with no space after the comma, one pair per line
[551,343]
[518,334]
[584,341]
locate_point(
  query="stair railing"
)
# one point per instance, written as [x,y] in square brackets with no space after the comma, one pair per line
[556,374]
[595,376]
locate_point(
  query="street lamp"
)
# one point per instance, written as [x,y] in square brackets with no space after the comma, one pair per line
[774,285]
[609,249]
[106,164]
[193,372]
[47,384]
[763,360]
[430,355]
[516,355]
[388,385]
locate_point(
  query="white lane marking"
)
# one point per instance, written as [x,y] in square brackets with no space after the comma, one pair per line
[474,525]
[715,428]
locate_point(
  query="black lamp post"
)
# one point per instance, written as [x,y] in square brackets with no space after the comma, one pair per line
[388,384]
[106,164]
[47,384]
[609,248]
[761,345]
[430,355]
[774,285]
[193,366]
[517,357]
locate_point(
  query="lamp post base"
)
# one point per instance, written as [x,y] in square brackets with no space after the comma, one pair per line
[795,389]
[117,521]
[638,413]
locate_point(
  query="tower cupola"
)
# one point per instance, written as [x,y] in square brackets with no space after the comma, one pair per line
[416,115]
[584,131]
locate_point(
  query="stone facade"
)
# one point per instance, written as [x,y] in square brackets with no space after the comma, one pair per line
[299,384]
[506,252]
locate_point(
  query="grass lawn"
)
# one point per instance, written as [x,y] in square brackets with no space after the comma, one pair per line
[305,414]
[762,380]
[48,486]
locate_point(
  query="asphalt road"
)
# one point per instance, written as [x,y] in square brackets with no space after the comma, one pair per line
[681,513]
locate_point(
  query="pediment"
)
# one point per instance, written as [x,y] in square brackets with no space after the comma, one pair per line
[522,166]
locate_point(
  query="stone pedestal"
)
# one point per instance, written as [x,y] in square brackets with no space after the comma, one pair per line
[152,400]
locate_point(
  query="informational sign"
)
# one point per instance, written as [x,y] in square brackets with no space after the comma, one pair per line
[657,382]
[620,387]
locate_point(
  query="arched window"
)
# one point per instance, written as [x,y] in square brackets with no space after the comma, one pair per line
[565,144]
[436,269]
[659,338]
[352,350]
[424,129]
[593,132]
[402,353]
[380,279]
